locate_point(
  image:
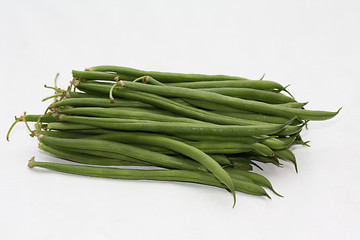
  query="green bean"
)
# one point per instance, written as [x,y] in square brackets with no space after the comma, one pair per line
[89,159]
[257,178]
[47,118]
[221,159]
[251,94]
[286,154]
[212,106]
[127,113]
[164,77]
[248,140]
[248,105]
[274,143]
[257,117]
[188,111]
[160,175]
[164,141]
[176,146]
[63,134]
[167,104]
[99,102]
[292,104]
[72,94]
[148,79]
[263,149]
[109,155]
[289,140]
[242,165]
[254,84]
[174,129]
[68,126]
[123,149]
[93,75]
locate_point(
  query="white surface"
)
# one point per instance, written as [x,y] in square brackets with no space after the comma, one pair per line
[312,45]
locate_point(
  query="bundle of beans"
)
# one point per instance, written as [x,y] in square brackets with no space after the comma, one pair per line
[207,129]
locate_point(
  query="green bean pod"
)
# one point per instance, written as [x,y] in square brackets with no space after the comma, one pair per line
[90,159]
[169,143]
[99,102]
[160,175]
[174,129]
[287,155]
[123,149]
[253,84]
[251,94]
[164,77]
[257,178]
[247,105]
[127,113]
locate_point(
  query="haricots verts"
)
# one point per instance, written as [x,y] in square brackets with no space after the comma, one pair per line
[198,128]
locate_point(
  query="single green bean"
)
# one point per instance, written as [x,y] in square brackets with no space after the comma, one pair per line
[94,75]
[174,129]
[160,175]
[99,102]
[126,113]
[253,84]
[164,77]
[286,154]
[89,159]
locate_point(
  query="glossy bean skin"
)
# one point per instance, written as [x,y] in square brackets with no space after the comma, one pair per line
[164,77]
[160,175]
[253,84]
[99,75]
[170,128]
[252,94]
[82,158]
[127,113]
[99,102]
[163,141]
[242,104]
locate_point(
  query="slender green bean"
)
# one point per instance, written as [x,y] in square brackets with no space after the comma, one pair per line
[248,105]
[286,154]
[167,104]
[170,128]
[123,149]
[257,178]
[133,113]
[160,175]
[252,94]
[253,84]
[164,77]
[95,75]
[89,159]
[99,102]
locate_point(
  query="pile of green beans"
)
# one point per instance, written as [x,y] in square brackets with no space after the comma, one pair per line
[205,129]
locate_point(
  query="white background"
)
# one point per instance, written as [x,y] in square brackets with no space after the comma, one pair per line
[312,45]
